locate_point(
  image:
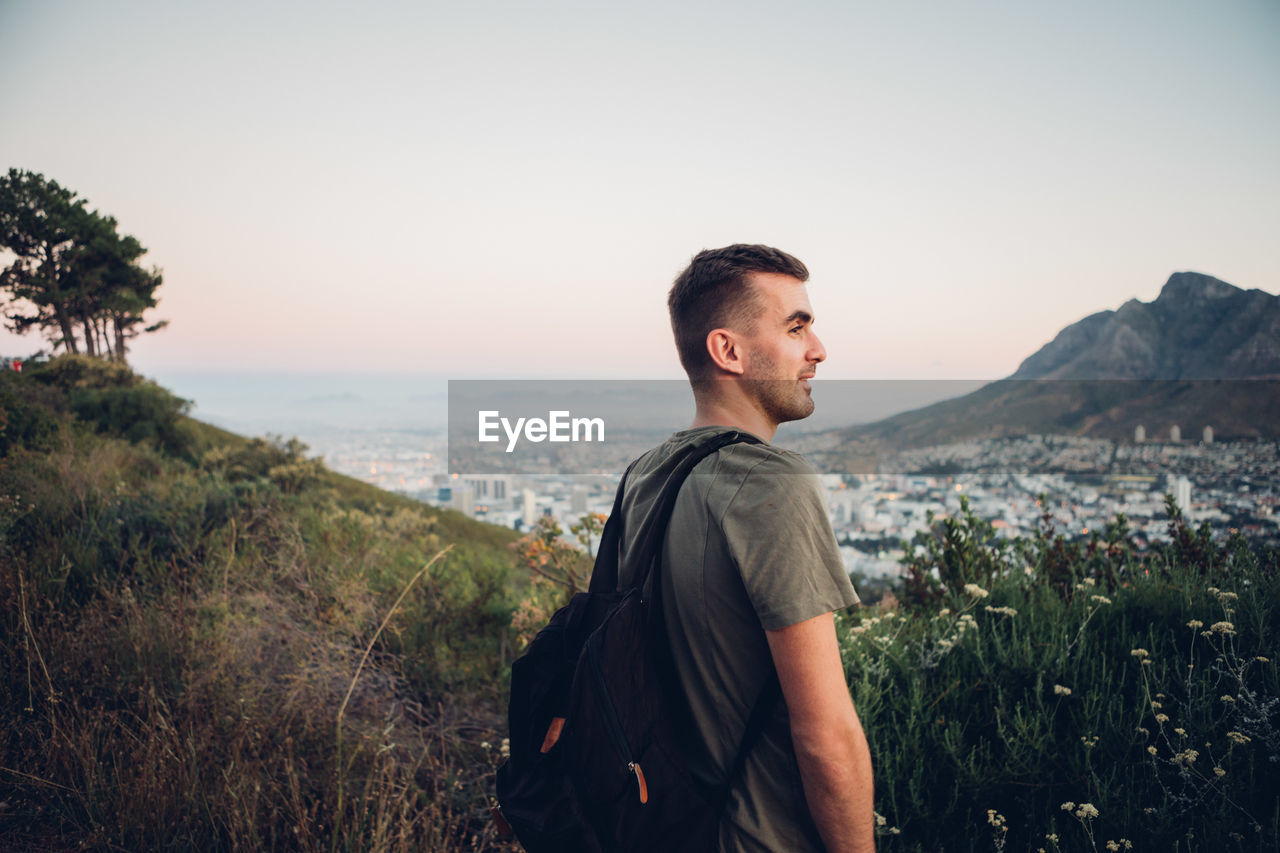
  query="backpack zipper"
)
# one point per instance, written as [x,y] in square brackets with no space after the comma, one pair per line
[612,723]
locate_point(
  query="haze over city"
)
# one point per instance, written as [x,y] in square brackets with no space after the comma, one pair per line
[506,190]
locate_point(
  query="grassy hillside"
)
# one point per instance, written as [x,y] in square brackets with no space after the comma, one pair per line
[184,611]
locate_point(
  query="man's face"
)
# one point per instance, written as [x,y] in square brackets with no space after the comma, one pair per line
[781,351]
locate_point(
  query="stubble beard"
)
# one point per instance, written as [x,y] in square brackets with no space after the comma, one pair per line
[782,400]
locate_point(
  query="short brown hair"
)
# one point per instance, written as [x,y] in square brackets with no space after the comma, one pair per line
[713,292]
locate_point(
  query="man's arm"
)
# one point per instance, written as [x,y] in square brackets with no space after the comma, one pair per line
[835,762]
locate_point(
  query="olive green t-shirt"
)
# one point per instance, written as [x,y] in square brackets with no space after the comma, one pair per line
[749,549]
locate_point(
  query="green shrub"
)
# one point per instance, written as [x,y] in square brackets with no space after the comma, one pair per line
[136,413]
[29,414]
[110,398]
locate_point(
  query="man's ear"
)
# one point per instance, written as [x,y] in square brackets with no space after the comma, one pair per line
[725,352]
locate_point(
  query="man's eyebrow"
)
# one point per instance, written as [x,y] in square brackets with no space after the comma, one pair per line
[802,316]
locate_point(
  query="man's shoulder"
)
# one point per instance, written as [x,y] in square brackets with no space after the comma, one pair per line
[755,458]
[766,461]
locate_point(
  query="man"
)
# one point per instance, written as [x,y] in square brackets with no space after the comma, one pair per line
[751,570]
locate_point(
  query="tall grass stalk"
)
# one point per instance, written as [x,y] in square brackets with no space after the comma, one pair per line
[342,709]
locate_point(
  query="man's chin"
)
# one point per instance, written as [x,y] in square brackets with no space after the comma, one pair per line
[799,412]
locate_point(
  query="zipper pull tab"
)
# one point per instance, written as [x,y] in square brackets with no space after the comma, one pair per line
[641,784]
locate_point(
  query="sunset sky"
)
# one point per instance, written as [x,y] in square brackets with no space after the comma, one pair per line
[491,189]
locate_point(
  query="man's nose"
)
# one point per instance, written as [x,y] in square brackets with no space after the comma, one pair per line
[817,352]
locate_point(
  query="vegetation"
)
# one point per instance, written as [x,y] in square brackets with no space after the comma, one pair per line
[214,643]
[74,276]
[1040,694]
[184,614]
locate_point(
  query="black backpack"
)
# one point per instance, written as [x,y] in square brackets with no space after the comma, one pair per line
[597,720]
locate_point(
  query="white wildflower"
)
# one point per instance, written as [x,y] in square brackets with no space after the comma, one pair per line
[1086,811]
[975,590]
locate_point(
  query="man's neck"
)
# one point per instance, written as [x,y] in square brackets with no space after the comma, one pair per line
[739,414]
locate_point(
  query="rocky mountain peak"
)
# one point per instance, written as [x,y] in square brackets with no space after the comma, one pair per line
[1195,287]
[1199,327]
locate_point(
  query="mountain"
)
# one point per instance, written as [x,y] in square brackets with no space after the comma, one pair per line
[1197,328]
[1203,353]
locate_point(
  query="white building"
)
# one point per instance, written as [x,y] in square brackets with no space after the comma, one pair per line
[530,517]
[1180,488]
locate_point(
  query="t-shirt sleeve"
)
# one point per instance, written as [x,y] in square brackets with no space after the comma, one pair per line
[778,533]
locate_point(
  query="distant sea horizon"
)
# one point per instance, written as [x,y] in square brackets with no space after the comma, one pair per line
[282,402]
[288,403]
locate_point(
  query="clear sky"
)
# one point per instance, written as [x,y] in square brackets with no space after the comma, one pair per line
[507,188]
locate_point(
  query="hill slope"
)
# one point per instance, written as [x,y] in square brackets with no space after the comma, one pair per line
[184,621]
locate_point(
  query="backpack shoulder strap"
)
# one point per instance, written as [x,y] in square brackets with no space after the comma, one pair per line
[766,702]
[654,530]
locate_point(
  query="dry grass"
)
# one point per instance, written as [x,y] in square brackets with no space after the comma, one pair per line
[192,663]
